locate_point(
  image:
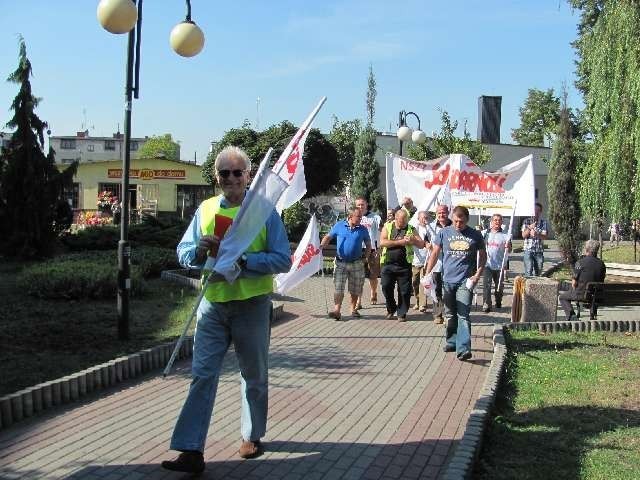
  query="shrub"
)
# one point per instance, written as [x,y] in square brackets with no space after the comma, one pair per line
[92,238]
[296,219]
[93,274]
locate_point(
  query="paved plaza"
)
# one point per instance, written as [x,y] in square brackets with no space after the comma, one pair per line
[365,398]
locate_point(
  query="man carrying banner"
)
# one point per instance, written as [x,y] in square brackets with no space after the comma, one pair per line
[497,244]
[238,312]
[397,241]
[534,231]
[442,220]
[461,245]
[373,223]
[349,265]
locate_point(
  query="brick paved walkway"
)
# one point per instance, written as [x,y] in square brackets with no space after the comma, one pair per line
[363,399]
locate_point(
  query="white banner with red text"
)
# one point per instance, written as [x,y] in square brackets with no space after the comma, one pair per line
[456,180]
[307,260]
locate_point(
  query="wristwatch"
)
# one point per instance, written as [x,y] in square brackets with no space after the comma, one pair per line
[242,261]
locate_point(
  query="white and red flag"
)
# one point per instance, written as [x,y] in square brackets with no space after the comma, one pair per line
[307,260]
[291,166]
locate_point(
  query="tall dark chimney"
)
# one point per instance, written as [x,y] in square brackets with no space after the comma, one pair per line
[489,119]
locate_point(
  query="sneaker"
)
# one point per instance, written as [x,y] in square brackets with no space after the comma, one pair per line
[449,348]
[356,313]
[187,462]
[335,315]
[464,355]
[402,318]
[439,320]
[416,307]
[249,449]
[486,308]
[390,316]
[423,310]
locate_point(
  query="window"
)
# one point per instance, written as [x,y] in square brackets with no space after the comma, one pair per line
[190,196]
[68,144]
[90,148]
[134,146]
[110,145]
[72,195]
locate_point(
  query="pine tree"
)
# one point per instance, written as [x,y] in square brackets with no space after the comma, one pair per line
[31,207]
[564,204]
[366,171]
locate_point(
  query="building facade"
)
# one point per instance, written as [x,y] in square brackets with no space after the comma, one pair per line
[85,148]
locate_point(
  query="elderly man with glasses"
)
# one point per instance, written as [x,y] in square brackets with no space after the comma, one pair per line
[239,312]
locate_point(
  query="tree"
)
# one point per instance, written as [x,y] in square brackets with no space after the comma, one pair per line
[160,146]
[609,79]
[446,142]
[539,117]
[32,210]
[320,157]
[343,137]
[366,171]
[564,205]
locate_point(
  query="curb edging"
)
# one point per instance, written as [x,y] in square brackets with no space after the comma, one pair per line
[460,466]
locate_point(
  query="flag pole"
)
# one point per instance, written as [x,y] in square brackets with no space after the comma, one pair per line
[279,165]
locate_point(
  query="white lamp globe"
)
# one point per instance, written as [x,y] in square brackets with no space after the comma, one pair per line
[404,133]
[418,136]
[117,16]
[187,39]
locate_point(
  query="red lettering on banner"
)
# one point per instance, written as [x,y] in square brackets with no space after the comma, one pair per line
[310,252]
[468,181]
[292,161]
[417,166]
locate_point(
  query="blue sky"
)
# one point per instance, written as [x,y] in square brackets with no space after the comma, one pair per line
[426,55]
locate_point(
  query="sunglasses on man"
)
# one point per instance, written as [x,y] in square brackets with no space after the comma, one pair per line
[226,173]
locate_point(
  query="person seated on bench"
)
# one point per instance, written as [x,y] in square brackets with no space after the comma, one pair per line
[588,269]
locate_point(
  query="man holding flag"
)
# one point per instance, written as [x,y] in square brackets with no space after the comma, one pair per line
[238,312]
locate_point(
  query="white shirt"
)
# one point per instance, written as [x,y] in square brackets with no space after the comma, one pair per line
[495,243]
[371,221]
[434,228]
[420,255]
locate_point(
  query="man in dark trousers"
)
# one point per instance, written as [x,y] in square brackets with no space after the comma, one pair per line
[397,240]
[588,269]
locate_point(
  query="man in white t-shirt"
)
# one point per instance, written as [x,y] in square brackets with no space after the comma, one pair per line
[417,266]
[373,223]
[442,220]
[497,243]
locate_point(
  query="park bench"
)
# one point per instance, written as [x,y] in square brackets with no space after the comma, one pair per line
[600,294]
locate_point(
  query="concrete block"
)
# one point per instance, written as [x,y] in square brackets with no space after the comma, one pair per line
[47,395]
[540,300]
[74,388]
[56,392]
[16,406]
[111,367]
[36,393]
[6,412]
[104,375]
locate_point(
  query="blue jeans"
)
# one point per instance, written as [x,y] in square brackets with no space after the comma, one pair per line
[457,305]
[247,324]
[532,263]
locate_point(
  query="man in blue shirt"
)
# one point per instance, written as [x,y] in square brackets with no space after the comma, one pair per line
[463,261]
[349,264]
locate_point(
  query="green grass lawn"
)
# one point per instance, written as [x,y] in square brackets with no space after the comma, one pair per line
[568,408]
[43,339]
[620,254]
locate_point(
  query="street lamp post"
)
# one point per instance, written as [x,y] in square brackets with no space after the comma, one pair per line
[187,40]
[405,133]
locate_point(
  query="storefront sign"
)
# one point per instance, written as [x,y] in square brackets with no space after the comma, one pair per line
[148,174]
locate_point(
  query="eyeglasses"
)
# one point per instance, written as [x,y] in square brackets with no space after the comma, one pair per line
[226,173]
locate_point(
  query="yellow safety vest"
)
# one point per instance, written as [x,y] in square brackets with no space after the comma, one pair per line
[408,248]
[242,288]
